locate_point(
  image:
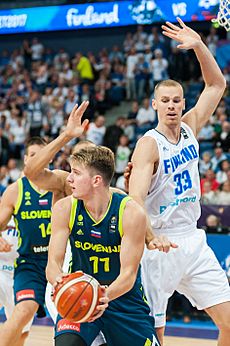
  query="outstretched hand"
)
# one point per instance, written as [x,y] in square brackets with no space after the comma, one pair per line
[75,127]
[161,243]
[187,37]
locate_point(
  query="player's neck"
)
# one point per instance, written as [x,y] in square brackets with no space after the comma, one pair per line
[172,133]
[97,205]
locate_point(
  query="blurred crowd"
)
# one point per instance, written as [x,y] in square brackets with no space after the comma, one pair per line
[39,87]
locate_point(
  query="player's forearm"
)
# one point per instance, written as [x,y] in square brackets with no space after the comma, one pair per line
[149,232]
[123,284]
[38,162]
[53,270]
[210,70]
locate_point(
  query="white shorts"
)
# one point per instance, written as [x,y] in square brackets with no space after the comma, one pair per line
[7,296]
[192,269]
[53,314]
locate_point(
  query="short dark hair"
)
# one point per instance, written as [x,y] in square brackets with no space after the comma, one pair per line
[33,141]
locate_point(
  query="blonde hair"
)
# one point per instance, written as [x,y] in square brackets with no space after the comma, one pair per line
[99,159]
[167,83]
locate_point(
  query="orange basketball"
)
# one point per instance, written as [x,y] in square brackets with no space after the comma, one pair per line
[77,297]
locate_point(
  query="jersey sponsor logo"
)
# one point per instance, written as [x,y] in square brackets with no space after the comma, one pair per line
[8,268]
[80,220]
[95,234]
[67,325]
[113,224]
[177,202]
[39,249]
[97,247]
[43,202]
[80,232]
[187,154]
[25,294]
[36,214]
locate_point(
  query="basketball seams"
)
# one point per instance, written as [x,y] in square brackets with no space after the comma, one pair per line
[94,284]
[88,280]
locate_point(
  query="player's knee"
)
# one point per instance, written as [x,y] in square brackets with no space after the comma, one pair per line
[25,311]
[69,339]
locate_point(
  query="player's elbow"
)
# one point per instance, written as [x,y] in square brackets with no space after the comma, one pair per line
[29,172]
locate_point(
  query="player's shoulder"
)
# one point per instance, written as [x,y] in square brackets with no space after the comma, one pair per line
[63,205]
[134,211]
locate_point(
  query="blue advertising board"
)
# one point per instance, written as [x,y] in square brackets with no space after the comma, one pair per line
[104,14]
[220,244]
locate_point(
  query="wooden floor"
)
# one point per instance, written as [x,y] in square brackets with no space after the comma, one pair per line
[43,336]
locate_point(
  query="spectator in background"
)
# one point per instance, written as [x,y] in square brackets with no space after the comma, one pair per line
[17,138]
[141,72]
[205,163]
[223,194]
[71,101]
[206,137]
[37,49]
[213,224]
[158,67]
[208,195]
[217,158]
[84,68]
[221,175]
[4,148]
[212,40]
[128,42]
[121,157]
[113,134]
[146,114]
[223,138]
[131,62]
[36,119]
[96,130]
[13,171]
[211,178]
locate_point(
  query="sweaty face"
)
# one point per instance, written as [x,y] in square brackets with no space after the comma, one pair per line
[169,104]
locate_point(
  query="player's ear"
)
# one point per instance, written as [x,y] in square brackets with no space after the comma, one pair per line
[183,104]
[154,104]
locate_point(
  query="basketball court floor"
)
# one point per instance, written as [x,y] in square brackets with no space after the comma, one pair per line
[42,335]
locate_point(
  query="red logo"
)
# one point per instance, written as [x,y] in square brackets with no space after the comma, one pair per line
[68,325]
[25,294]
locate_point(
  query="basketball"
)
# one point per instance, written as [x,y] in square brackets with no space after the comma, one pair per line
[77,297]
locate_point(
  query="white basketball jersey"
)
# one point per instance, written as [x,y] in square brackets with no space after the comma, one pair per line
[7,258]
[173,198]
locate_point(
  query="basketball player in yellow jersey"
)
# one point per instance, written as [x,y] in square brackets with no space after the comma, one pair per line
[165,179]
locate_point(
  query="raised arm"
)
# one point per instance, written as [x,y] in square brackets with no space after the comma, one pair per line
[215,83]
[35,168]
[58,239]
[132,246]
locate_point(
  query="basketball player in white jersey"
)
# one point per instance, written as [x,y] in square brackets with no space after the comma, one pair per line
[8,254]
[165,179]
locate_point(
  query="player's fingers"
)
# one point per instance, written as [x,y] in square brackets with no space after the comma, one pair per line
[83,107]
[74,109]
[165,28]
[173,26]
[172,36]
[173,245]
[181,22]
